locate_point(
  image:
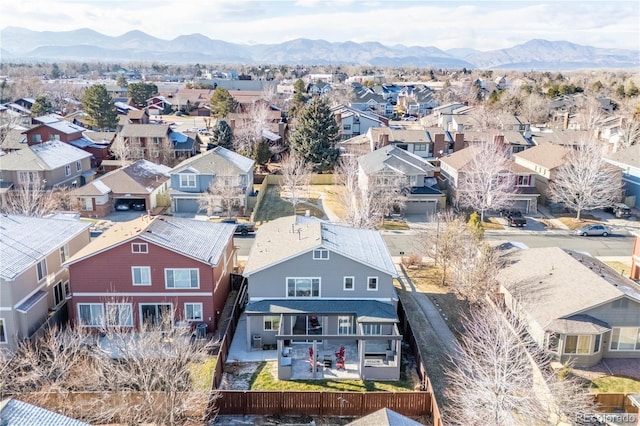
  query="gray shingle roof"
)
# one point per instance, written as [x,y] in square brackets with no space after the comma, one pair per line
[56,154]
[384,417]
[366,310]
[25,240]
[396,159]
[215,161]
[18,413]
[275,242]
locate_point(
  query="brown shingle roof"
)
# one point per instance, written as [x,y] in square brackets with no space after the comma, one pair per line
[547,155]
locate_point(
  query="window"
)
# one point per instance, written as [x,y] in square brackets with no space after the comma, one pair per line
[552,342]
[67,289]
[36,138]
[596,345]
[119,315]
[625,339]
[78,166]
[58,294]
[3,332]
[348,284]
[141,275]
[372,283]
[139,248]
[181,278]
[41,268]
[188,181]
[420,147]
[321,254]
[523,180]
[54,137]
[303,287]
[193,311]
[67,170]
[577,344]
[90,314]
[28,177]
[346,127]
[372,329]
[271,322]
[345,325]
[64,253]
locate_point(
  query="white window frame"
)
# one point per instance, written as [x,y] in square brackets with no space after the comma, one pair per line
[377,281]
[188,177]
[193,305]
[139,248]
[78,165]
[108,321]
[579,337]
[372,329]
[321,254]
[41,272]
[311,296]
[345,322]
[133,276]
[547,345]
[174,270]
[93,324]
[353,283]
[619,329]
[3,331]
[156,304]
[67,169]
[58,293]
[272,320]
[420,147]
[64,253]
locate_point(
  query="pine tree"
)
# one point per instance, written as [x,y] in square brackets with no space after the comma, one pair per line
[316,135]
[222,135]
[41,107]
[222,103]
[140,92]
[98,105]
[262,153]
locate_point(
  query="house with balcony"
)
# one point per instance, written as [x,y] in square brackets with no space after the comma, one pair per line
[574,307]
[544,161]
[141,271]
[192,178]
[353,122]
[34,286]
[318,290]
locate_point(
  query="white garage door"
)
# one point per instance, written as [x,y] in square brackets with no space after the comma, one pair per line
[187,206]
[422,207]
[522,205]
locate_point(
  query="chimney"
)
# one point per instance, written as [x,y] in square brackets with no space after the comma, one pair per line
[232,123]
[458,143]
[439,145]
[565,124]
[338,118]
[498,139]
[281,129]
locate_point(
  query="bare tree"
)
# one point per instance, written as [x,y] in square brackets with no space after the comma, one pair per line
[126,150]
[224,193]
[535,109]
[248,132]
[474,270]
[445,242]
[486,181]
[296,178]
[34,200]
[629,134]
[495,379]
[589,113]
[585,180]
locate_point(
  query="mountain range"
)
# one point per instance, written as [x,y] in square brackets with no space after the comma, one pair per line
[88,45]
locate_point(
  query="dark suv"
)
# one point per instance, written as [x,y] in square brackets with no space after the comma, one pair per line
[619,210]
[514,217]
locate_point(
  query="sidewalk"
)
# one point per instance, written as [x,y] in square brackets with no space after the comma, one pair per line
[544,211]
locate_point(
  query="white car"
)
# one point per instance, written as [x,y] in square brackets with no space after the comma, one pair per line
[595,229]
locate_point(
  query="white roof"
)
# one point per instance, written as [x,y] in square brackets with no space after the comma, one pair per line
[57,154]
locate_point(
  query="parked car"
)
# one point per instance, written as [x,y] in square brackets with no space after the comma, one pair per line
[137,205]
[514,217]
[619,210]
[123,207]
[242,228]
[594,229]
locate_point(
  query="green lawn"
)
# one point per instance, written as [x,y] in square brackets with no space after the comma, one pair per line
[615,384]
[263,379]
[202,374]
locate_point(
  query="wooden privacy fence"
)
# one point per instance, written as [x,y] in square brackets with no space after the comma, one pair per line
[613,402]
[320,403]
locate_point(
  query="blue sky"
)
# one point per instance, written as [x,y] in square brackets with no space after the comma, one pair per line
[482,25]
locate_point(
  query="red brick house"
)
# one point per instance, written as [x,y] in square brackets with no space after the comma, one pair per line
[139,270]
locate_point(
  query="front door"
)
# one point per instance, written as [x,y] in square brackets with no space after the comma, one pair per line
[156,314]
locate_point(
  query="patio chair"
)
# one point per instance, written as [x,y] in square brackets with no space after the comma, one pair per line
[340,363]
[340,353]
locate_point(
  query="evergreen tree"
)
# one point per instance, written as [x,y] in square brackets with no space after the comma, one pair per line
[122,81]
[41,107]
[475,225]
[140,92]
[222,135]
[222,103]
[262,153]
[99,107]
[55,71]
[316,135]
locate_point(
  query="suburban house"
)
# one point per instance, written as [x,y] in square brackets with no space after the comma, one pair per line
[49,164]
[34,287]
[155,137]
[367,100]
[137,271]
[353,122]
[544,160]
[142,185]
[525,192]
[157,105]
[16,412]
[390,163]
[574,306]
[316,287]
[628,160]
[191,179]
[416,101]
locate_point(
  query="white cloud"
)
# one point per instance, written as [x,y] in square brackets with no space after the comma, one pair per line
[480,25]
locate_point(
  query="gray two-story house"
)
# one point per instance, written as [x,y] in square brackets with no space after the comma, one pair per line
[34,286]
[191,179]
[574,306]
[315,287]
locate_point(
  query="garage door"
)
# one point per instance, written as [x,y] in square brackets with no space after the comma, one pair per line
[187,205]
[521,205]
[422,207]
